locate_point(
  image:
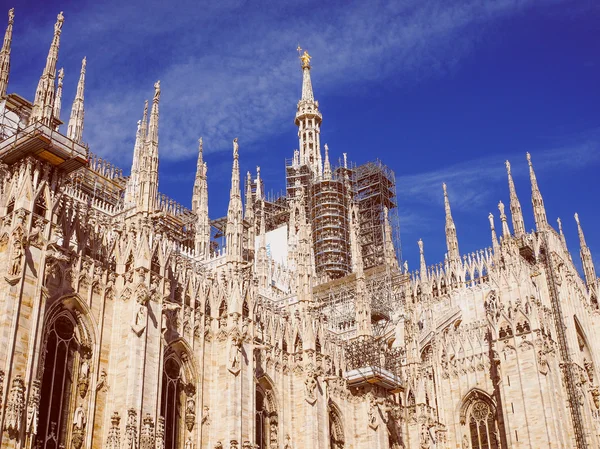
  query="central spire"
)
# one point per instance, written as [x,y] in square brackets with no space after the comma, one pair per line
[308,120]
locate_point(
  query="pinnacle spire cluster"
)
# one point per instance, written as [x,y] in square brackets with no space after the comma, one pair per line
[43,105]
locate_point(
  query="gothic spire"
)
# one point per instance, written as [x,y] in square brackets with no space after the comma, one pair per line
[495,244]
[198,180]
[389,253]
[308,120]
[422,265]
[451,238]
[505,228]
[43,104]
[200,206]
[262,266]
[560,231]
[515,206]
[75,129]
[5,54]
[235,226]
[355,250]
[307,91]
[249,213]
[148,179]
[586,258]
[539,212]
[134,177]
[326,165]
[259,193]
[58,98]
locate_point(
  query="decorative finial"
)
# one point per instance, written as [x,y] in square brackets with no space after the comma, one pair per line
[529,158]
[200,145]
[508,166]
[577,217]
[304,58]
[420,243]
[59,23]
[236,148]
[156,92]
[11,15]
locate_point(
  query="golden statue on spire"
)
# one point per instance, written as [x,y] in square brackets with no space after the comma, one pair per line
[304,58]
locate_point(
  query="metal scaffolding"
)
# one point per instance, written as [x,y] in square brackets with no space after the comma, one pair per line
[375,187]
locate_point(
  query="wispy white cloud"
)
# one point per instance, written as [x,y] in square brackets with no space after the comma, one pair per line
[229,71]
[471,183]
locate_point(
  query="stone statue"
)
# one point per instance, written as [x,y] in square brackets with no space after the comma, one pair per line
[189,444]
[79,418]
[235,347]
[15,267]
[310,384]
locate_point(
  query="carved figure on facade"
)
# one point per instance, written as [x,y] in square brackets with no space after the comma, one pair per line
[15,406]
[310,385]
[190,412]
[235,348]
[17,254]
[79,422]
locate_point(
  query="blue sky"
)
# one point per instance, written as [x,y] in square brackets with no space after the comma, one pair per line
[439,90]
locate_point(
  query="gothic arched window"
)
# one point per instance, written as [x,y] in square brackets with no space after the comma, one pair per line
[58,379]
[336,428]
[479,417]
[267,421]
[172,396]
[482,426]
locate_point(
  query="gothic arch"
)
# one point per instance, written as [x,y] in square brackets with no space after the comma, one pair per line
[178,393]
[266,414]
[63,373]
[336,426]
[479,417]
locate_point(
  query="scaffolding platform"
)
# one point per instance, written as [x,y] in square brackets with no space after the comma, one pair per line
[374,375]
[44,143]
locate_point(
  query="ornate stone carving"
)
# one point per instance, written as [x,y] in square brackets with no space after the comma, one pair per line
[310,386]
[160,433]
[131,429]
[147,433]
[190,412]
[372,413]
[33,408]
[206,415]
[233,444]
[113,440]
[15,406]
[189,444]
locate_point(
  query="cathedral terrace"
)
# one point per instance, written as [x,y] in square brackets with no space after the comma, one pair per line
[130,321]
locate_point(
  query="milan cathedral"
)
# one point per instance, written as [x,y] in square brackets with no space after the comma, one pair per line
[128,321]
